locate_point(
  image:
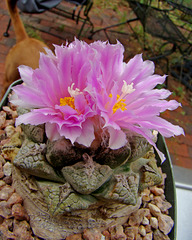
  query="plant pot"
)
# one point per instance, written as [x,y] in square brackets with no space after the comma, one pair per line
[170,191]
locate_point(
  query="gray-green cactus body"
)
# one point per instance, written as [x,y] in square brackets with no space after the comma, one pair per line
[88,187]
[87,176]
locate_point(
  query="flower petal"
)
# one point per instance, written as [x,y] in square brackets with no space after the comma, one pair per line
[33,118]
[87,134]
[117,138]
[71,133]
[51,130]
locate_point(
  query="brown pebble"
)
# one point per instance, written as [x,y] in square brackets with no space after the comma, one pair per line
[92,234]
[154,222]
[1,174]
[163,205]
[146,198]
[106,234]
[117,232]
[6,192]
[158,235]
[74,237]
[8,180]
[138,237]
[2,184]
[10,130]
[2,134]
[157,191]
[9,122]
[7,169]
[2,160]
[2,122]
[1,219]
[148,228]
[142,230]
[1,170]
[22,230]
[6,229]
[14,199]
[155,211]
[137,217]
[19,212]
[131,232]
[10,153]
[165,223]
[10,113]
[148,236]
[145,195]
[4,210]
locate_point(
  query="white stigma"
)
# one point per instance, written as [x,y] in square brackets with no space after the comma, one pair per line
[73,92]
[155,133]
[127,88]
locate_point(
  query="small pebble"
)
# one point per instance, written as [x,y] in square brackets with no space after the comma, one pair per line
[2,160]
[7,169]
[163,205]
[117,232]
[10,113]
[157,191]
[2,134]
[158,235]
[89,234]
[1,174]
[165,223]
[131,232]
[4,210]
[142,230]
[19,212]
[154,222]
[74,237]
[145,221]
[6,192]
[139,237]
[148,236]
[8,180]
[2,121]
[1,220]
[106,234]
[155,211]
[2,183]
[14,199]
[10,130]
[22,230]
[148,228]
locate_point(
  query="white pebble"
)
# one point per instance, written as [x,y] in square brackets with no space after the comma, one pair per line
[155,211]
[145,221]
[154,222]
[142,230]
[10,130]
[7,169]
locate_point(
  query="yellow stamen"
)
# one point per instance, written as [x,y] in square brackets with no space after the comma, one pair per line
[70,101]
[120,104]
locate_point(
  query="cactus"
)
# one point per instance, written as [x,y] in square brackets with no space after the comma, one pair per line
[67,188]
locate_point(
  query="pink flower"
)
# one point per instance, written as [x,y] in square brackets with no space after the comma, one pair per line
[56,94]
[85,90]
[126,98]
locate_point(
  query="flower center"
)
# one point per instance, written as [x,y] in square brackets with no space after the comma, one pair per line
[120,104]
[70,101]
